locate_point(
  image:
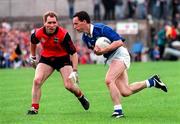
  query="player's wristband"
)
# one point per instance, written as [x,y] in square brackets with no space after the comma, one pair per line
[75,70]
[33,57]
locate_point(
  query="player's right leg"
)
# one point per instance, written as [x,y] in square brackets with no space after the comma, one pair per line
[116,68]
[73,86]
[127,89]
[42,72]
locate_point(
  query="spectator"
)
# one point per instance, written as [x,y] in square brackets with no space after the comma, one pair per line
[136,50]
[6,25]
[9,40]
[109,6]
[97,12]
[156,53]
[131,8]
[172,52]
[119,9]
[161,9]
[1,57]
[106,9]
[141,10]
[175,8]
[162,40]
[152,9]
[71,8]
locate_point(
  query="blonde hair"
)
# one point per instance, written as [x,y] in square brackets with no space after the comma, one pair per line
[51,14]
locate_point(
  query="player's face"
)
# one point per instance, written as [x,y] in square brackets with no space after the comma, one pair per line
[51,25]
[79,25]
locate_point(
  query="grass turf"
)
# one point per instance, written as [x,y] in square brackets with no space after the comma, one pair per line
[58,106]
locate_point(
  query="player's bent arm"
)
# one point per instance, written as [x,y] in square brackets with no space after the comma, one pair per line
[74,59]
[114,45]
[34,41]
[32,58]
[33,49]
[74,75]
[71,49]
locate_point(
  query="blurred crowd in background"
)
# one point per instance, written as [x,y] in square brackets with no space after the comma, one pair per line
[165,41]
[137,9]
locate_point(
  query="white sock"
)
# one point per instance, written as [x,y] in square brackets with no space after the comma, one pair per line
[147,84]
[118,107]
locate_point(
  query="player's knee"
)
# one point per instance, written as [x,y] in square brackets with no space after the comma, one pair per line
[37,81]
[68,86]
[108,81]
[126,93]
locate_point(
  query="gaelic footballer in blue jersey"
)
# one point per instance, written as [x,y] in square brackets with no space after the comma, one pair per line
[118,60]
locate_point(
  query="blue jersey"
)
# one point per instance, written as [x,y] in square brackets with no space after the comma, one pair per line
[101,30]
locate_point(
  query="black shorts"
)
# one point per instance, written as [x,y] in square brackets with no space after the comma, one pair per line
[56,62]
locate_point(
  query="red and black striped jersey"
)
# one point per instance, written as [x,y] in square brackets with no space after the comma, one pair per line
[53,45]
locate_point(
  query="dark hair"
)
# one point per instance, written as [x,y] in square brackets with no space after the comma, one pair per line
[51,14]
[82,15]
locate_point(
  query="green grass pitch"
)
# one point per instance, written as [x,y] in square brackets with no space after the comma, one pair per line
[58,106]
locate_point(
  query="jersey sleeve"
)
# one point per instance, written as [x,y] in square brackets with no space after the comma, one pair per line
[111,34]
[34,40]
[68,44]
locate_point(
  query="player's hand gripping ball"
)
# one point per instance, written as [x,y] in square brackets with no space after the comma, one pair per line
[102,42]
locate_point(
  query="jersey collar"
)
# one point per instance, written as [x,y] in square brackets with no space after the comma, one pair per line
[91,31]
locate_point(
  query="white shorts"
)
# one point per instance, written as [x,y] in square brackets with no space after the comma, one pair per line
[120,54]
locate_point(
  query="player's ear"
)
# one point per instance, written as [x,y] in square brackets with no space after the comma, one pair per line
[84,21]
[44,22]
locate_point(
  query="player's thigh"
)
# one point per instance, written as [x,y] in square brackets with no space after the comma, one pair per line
[43,71]
[65,72]
[116,68]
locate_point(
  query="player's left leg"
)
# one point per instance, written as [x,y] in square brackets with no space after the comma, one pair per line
[73,87]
